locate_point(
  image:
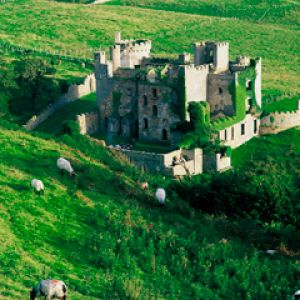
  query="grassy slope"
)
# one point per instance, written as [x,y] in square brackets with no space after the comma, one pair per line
[71,71]
[276,11]
[284,145]
[55,26]
[68,112]
[72,233]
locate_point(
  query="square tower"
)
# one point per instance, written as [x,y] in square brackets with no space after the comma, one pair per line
[216,53]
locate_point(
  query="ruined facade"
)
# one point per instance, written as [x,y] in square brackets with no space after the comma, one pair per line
[146,98]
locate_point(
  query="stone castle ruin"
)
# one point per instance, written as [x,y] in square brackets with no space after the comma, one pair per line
[144,98]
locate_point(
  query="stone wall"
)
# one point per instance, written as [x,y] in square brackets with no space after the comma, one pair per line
[240,133]
[219,97]
[257,83]
[163,163]
[74,93]
[155,115]
[216,163]
[279,121]
[88,122]
[196,82]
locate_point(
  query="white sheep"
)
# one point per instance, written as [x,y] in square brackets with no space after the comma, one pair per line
[64,165]
[160,195]
[38,186]
[50,289]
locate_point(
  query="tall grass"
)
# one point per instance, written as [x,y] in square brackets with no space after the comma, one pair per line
[106,238]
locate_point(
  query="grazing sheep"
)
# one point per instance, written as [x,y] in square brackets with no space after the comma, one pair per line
[144,185]
[271,252]
[297,295]
[38,186]
[64,164]
[50,289]
[160,195]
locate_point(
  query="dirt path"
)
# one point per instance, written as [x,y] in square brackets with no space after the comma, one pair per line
[99,2]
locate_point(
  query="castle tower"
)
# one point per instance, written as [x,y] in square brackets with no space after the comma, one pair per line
[221,61]
[115,55]
[99,60]
[199,53]
[118,37]
[212,53]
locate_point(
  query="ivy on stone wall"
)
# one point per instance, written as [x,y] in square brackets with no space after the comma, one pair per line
[199,127]
[240,94]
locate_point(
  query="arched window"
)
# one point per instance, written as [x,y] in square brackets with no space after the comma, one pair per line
[145,123]
[164,135]
[220,90]
[155,111]
[145,100]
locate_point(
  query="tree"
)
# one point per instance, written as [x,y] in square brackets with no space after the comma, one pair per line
[6,85]
[34,87]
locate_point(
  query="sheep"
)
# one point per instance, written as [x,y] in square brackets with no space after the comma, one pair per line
[297,295]
[144,186]
[38,186]
[50,289]
[271,252]
[160,195]
[64,164]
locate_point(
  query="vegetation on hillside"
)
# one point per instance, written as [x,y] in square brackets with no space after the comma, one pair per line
[54,26]
[132,248]
[55,123]
[76,1]
[101,233]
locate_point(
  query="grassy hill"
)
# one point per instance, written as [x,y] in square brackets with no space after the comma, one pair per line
[100,233]
[284,146]
[54,26]
[274,11]
[54,124]
[107,238]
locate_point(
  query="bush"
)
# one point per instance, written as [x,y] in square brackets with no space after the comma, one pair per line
[71,128]
[264,193]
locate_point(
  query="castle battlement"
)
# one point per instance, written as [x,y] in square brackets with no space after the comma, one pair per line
[197,68]
[222,44]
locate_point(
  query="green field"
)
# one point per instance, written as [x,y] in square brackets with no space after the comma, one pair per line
[54,26]
[284,146]
[103,235]
[54,124]
[274,11]
[106,238]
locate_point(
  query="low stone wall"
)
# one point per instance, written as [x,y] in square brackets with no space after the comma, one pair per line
[240,133]
[216,162]
[74,93]
[279,121]
[163,163]
[88,122]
